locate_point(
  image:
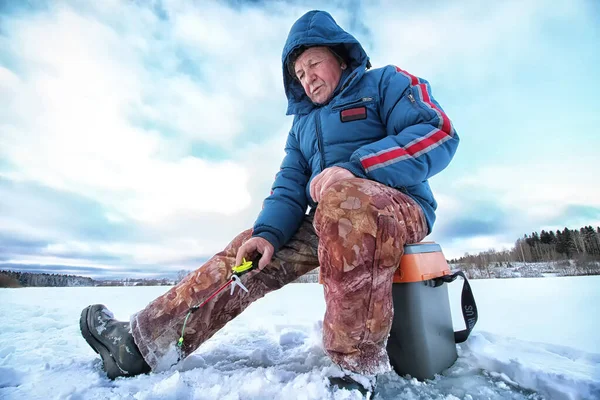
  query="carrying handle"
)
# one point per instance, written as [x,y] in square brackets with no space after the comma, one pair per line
[468,306]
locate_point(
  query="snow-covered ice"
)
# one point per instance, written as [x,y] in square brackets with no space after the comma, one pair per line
[536,338]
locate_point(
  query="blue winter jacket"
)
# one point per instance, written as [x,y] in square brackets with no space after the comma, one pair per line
[382,124]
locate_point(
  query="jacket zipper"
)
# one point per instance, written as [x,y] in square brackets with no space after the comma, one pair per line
[347,83]
[412,99]
[320,138]
[362,100]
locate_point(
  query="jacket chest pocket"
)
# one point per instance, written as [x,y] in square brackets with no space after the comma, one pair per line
[354,110]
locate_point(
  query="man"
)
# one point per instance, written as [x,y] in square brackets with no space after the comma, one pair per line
[361,148]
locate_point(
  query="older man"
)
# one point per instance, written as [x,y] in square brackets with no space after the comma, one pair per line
[360,151]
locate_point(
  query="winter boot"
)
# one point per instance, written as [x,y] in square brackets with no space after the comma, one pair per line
[365,385]
[111,339]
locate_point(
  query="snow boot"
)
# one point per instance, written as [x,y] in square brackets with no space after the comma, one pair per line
[112,339]
[365,386]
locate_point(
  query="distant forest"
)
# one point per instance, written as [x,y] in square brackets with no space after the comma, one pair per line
[582,245]
[24,279]
[15,279]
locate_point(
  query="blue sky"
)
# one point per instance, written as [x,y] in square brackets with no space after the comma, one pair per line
[139,140]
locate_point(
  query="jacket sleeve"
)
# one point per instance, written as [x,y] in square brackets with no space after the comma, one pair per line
[420,139]
[283,211]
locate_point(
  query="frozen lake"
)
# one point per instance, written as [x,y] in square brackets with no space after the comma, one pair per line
[535,337]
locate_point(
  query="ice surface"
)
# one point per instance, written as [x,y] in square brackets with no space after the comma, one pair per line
[558,311]
[536,339]
[9,377]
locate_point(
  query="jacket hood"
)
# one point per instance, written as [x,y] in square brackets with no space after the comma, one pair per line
[318,28]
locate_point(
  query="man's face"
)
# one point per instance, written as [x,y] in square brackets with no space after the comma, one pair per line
[319,72]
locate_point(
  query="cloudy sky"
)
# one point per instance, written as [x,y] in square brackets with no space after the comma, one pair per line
[139,139]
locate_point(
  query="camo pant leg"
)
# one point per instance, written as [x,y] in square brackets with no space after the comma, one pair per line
[362,227]
[157,328]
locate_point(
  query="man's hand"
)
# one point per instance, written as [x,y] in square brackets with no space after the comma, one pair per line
[325,179]
[253,245]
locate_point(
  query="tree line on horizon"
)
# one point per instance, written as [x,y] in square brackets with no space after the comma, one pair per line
[581,244]
[16,279]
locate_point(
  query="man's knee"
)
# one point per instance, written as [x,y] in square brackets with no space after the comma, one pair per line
[349,196]
[347,206]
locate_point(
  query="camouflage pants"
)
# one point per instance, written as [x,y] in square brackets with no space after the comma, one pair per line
[357,237]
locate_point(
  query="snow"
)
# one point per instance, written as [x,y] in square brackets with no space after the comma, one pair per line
[561,311]
[536,338]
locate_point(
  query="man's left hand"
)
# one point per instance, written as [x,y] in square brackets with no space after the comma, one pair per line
[325,179]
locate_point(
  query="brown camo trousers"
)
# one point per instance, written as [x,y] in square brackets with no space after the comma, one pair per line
[357,237]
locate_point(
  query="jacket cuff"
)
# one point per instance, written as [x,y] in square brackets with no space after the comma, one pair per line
[353,167]
[269,237]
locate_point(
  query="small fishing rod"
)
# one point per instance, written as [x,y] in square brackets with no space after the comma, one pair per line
[234,281]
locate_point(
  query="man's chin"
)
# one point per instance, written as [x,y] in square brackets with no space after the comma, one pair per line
[321,100]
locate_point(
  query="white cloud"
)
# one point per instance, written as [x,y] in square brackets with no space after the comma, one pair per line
[67,124]
[530,196]
[36,259]
[542,190]
[97,79]
[8,83]
[475,244]
[466,43]
[171,251]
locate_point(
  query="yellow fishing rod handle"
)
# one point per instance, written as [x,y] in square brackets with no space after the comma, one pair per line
[246,266]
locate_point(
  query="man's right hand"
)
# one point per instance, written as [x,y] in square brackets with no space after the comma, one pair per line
[253,245]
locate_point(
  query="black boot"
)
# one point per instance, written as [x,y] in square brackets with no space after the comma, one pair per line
[347,382]
[111,339]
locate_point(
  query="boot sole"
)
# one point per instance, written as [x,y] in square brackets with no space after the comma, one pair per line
[110,365]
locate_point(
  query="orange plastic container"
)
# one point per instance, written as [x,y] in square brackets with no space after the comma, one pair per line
[421,262]
[421,341]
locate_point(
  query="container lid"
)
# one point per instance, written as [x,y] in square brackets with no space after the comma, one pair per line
[418,248]
[421,262]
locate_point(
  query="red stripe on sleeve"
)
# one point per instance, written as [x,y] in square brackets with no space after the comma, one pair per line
[384,157]
[446,124]
[413,149]
[426,142]
[414,81]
